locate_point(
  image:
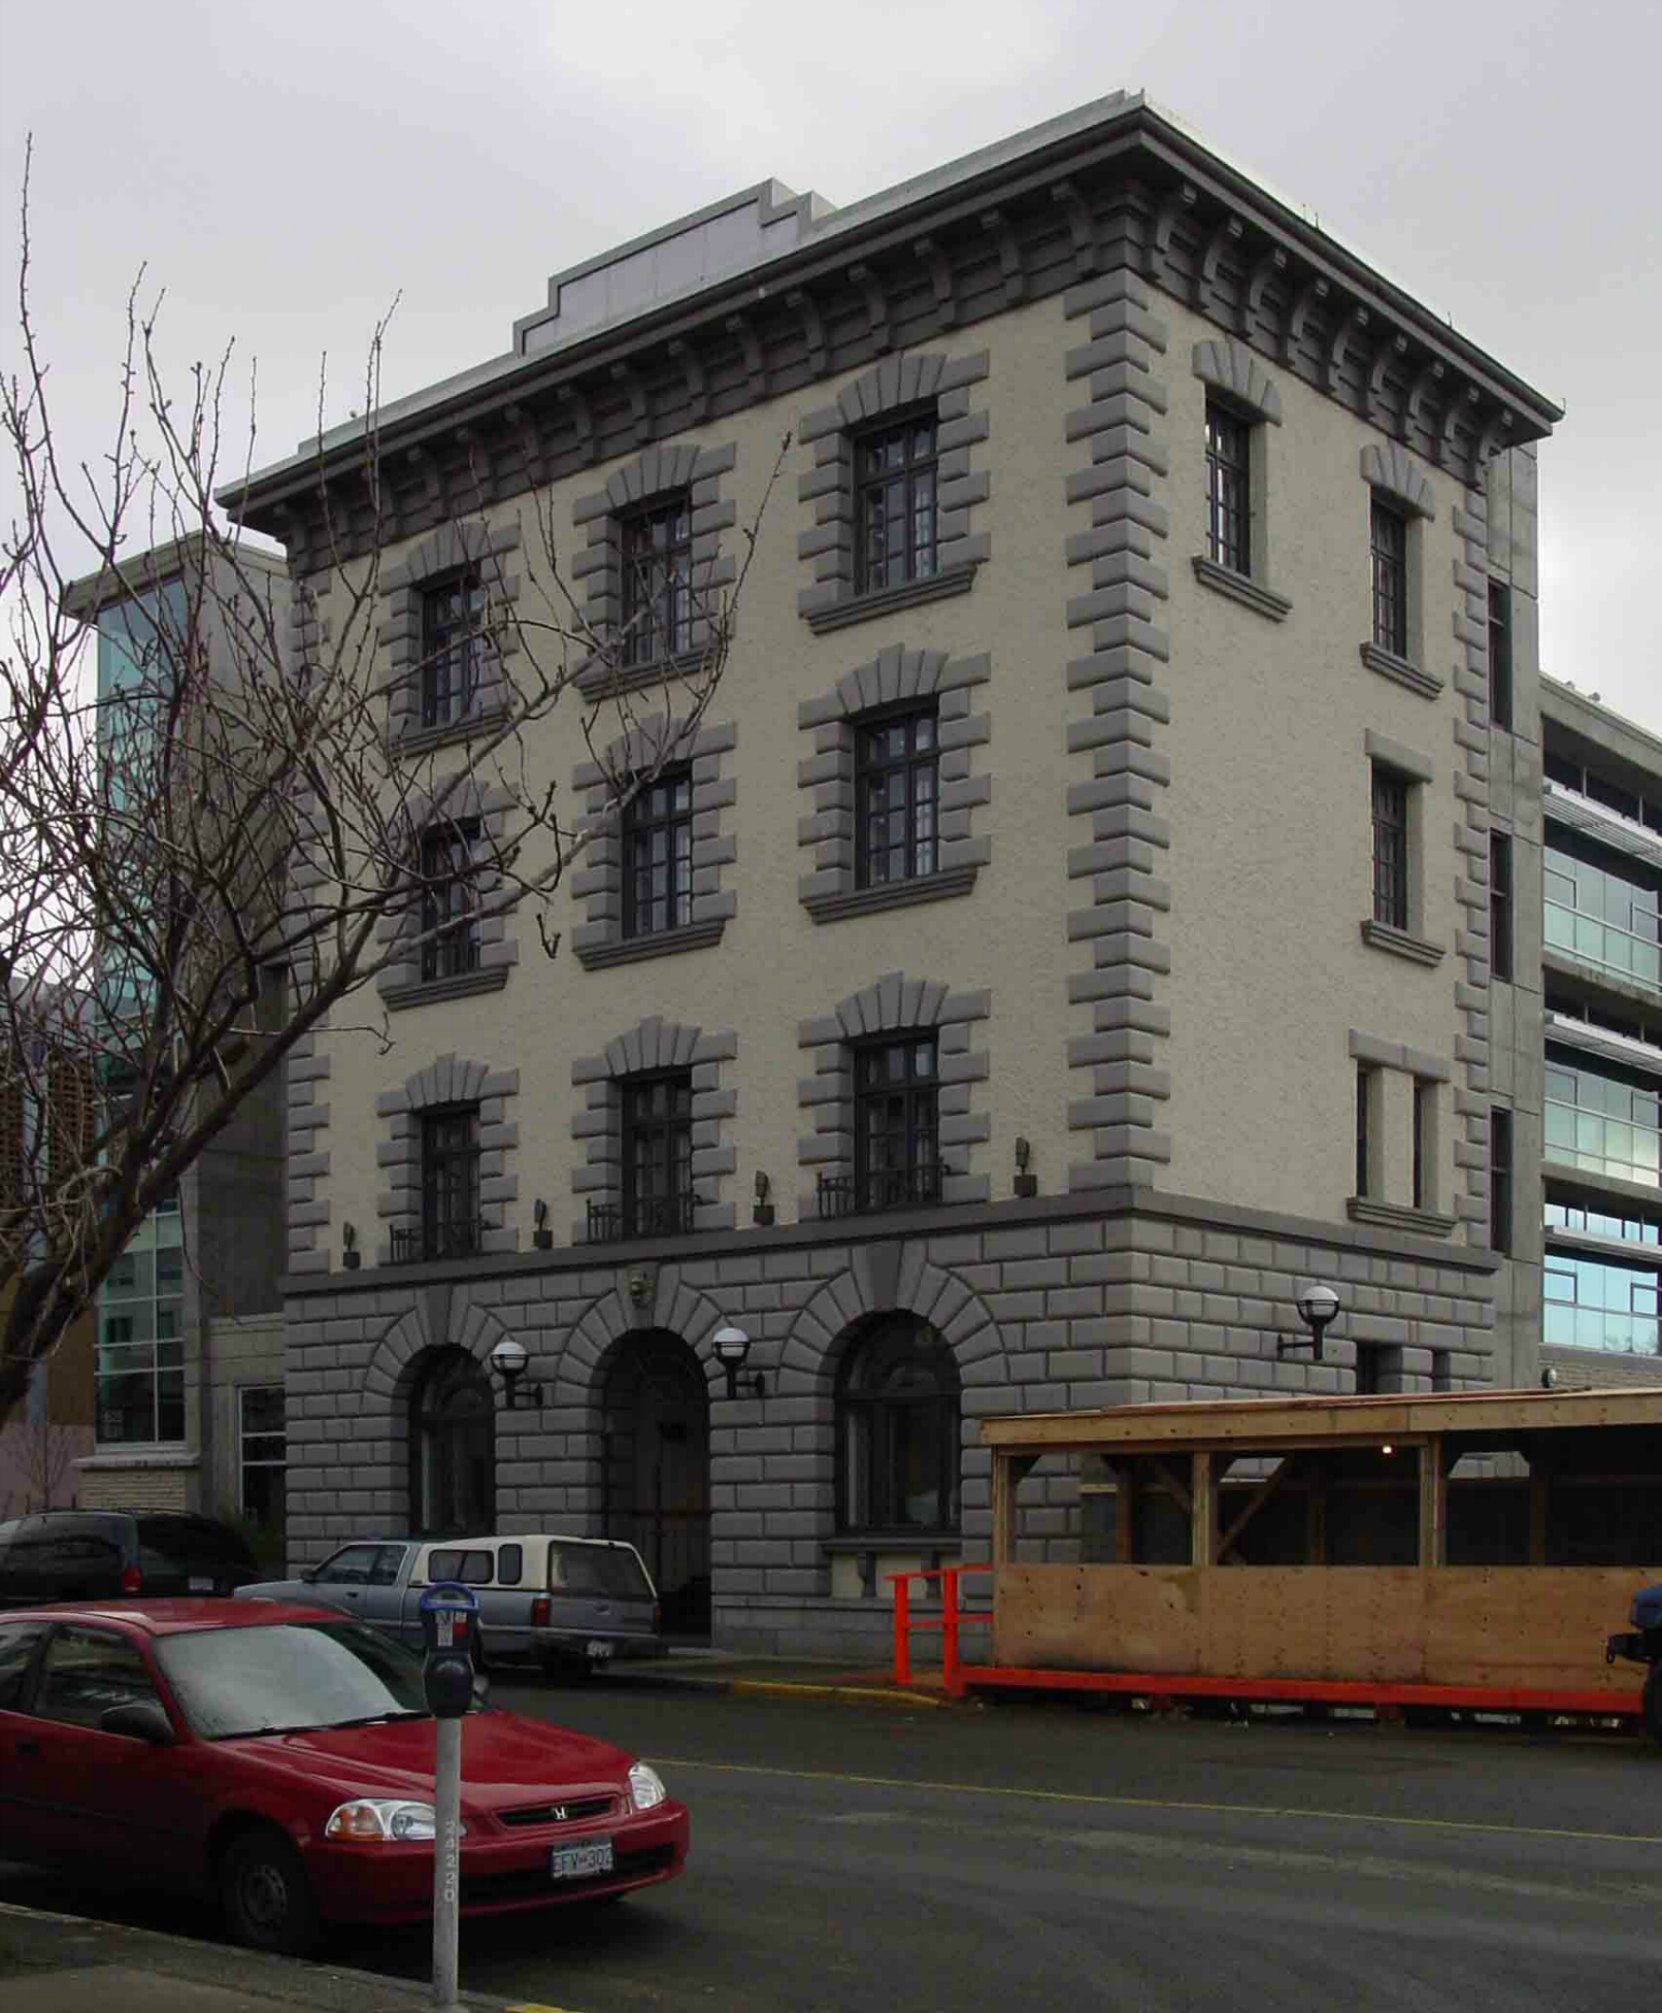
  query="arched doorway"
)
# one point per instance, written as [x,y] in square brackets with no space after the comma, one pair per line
[657,1470]
[452,1448]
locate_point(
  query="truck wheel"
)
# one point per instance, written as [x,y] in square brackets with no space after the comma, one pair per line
[1652,1703]
[267,1898]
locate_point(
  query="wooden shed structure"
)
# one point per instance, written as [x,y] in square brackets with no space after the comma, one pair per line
[1472,1548]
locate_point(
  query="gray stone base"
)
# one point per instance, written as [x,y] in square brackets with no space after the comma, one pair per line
[1122,1296]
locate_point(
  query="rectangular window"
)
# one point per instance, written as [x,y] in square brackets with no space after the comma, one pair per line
[657,856]
[1595,1303]
[1370,1365]
[894,505]
[449,901]
[1425,1143]
[896,1124]
[1500,905]
[1388,538]
[657,581]
[262,1454]
[1500,653]
[1500,1179]
[1228,488]
[1603,1123]
[657,1155]
[895,782]
[450,1225]
[140,1368]
[1390,848]
[452,647]
[1365,1081]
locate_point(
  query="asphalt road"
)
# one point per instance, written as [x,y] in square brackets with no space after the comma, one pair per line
[848,1857]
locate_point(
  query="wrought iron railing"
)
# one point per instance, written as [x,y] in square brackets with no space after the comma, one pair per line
[464,1238]
[867,1191]
[643,1216]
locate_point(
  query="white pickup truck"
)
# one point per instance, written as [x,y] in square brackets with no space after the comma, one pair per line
[567,1603]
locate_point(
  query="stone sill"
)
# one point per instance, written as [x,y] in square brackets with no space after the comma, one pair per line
[1389,665]
[890,895]
[661,944]
[1239,587]
[418,740]
[887,600]
[1394,1216]
[606,681]
[429,992]
[113,1461]
[1400,943]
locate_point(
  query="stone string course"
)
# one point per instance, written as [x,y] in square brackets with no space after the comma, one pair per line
[1045,1313]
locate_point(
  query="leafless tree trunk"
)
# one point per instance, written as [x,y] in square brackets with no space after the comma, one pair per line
[202,862]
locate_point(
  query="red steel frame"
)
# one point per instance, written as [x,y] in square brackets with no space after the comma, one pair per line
[1162,1688]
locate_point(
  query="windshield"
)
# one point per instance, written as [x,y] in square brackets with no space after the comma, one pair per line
[288,1676]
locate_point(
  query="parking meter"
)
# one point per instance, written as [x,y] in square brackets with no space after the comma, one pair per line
[450,1636]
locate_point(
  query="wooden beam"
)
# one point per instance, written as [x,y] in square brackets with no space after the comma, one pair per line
[1203,1511]
[1433,1505]
[1540,1503]
[1272,1483]
[1125,1511]
[1008,1470]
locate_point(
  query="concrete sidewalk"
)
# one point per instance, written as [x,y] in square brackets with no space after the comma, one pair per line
[694,1669]
[68,1964]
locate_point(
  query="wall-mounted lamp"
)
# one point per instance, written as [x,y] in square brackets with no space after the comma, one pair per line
[1026,1183]
[1318,1308]
[731,1346]
[350,1256]
[763,1212]
[542,1237]
[508,1360]
[1549,1379]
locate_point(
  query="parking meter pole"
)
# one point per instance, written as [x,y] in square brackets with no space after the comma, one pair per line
[449,1628]
[447,1861]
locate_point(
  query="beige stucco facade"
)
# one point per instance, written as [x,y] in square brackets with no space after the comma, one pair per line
[1149,952]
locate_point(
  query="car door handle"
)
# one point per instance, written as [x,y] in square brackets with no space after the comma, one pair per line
[28,1747]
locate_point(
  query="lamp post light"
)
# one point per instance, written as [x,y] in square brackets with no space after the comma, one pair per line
[731,1346]
[1318,1308]
[509,1360]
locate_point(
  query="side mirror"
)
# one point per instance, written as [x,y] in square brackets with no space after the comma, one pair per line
[141,1719]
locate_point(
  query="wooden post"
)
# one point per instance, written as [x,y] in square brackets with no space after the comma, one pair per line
[1004,1506]
[1317,1526]
[1125,1511]
[1540,1493]
[1203,1511]
[1433,1504]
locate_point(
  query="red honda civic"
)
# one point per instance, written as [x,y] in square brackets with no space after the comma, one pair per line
[282,1756]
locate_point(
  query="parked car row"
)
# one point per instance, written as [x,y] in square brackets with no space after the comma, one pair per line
[566,1603]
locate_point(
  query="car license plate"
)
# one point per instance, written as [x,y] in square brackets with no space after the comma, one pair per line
[597,1651]
[200,1583]
[581,1862]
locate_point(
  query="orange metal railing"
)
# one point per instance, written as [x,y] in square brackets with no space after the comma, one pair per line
[951,1619]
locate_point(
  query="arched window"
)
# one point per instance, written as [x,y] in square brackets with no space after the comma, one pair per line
[452,1449]
[897,1431]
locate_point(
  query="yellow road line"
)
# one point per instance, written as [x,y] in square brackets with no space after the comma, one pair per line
[862,1694]
[1160,1802]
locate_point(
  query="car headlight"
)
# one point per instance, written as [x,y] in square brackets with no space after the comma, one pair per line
[646,1787]
[372,1819]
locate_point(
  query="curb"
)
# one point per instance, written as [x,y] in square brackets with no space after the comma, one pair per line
[264,1979]
[837,1694]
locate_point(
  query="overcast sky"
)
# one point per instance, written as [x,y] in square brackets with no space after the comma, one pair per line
[286,170]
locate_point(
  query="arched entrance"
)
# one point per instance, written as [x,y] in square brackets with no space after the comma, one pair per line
[656,1431]
[452,1448]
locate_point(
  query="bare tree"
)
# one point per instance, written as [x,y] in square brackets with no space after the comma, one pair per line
[223,841]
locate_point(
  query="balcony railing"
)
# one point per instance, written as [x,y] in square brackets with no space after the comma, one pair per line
[1606,946]
[643,1216]
[464,1238]
[864,1193]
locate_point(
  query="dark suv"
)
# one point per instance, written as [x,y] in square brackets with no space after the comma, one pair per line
[94,1555]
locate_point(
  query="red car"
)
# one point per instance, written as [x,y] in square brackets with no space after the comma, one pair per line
[283,1756]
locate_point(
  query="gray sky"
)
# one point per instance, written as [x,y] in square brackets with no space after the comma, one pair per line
[286,170]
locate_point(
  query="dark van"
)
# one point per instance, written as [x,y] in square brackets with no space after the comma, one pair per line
[96,1555]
